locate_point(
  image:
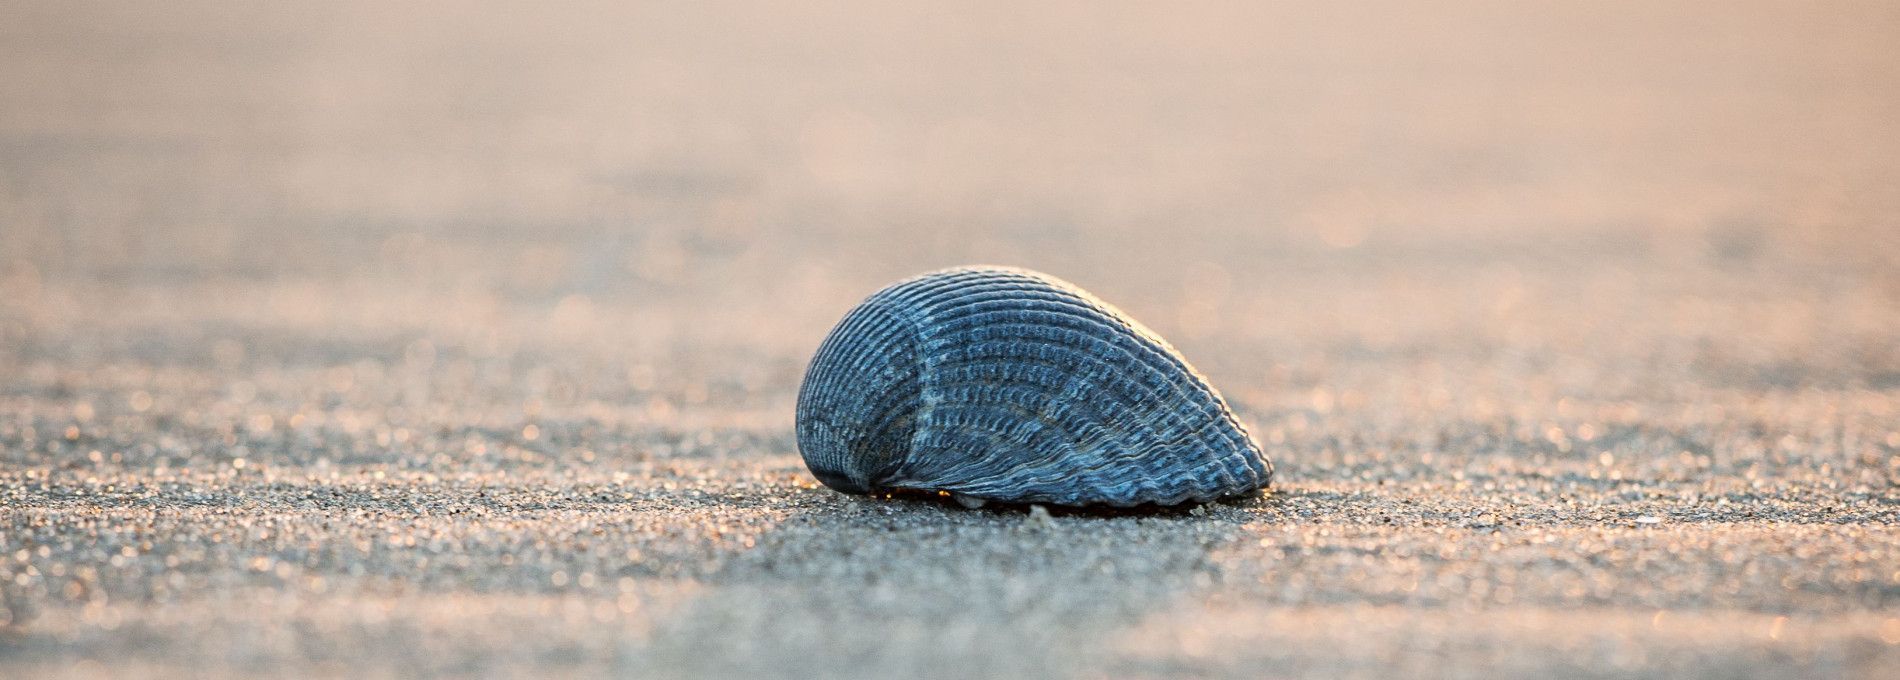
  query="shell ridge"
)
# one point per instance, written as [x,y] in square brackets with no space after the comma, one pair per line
[1107,465]
[1155,348]
[1009,384]
[1032,474]
[1132,399]
[1106,353]
[1088,434]
[1090,317]
[1149,384]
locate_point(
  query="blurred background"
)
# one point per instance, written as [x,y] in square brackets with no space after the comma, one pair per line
[656,173]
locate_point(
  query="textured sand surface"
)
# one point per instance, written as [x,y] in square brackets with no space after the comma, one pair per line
[348,341]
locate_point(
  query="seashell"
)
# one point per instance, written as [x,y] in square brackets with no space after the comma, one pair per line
[1003,384]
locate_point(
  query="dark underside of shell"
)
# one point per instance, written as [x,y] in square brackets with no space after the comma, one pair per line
[1009,385]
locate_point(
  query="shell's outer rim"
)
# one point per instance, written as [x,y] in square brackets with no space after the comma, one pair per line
[1264,474]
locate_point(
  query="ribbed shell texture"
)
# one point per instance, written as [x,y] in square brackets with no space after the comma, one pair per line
[1011,385]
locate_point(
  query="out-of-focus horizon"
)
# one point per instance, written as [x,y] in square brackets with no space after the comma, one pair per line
[656,153]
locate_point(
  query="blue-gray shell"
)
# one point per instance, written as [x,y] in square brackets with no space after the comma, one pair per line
[1010,385]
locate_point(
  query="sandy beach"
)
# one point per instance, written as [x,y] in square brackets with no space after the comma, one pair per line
[350,341]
